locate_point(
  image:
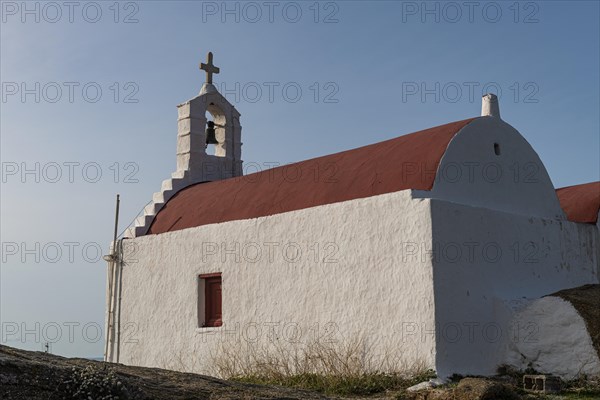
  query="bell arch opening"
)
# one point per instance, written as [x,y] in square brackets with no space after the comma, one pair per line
[215,119]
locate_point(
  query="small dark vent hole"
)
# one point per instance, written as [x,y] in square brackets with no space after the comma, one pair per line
[497,149]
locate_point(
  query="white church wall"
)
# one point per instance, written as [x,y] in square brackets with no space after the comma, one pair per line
[362,285]
[485,261]
[555,338]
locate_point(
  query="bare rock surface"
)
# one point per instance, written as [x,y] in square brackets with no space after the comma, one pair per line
[26,375]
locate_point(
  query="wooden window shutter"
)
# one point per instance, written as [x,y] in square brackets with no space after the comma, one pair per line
[212,300]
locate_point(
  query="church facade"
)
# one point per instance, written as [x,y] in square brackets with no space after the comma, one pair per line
[437,248]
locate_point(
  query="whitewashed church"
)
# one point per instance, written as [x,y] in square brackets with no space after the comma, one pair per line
[444,248]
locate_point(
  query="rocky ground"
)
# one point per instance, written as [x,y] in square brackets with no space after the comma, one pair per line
[26,375]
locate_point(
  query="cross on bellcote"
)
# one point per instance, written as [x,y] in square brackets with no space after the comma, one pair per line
[209,68]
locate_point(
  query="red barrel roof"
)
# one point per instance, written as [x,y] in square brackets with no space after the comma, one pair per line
[581,203]
[406,162]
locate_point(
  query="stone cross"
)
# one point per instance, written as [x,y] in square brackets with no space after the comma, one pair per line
[209,68]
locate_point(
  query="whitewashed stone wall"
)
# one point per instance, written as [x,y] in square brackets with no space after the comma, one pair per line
[503,259]
[371,292]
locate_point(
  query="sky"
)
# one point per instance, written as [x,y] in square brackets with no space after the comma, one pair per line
[89,95]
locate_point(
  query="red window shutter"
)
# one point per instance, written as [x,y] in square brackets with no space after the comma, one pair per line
[212,311]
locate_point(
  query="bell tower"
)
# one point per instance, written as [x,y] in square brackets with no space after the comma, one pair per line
[192,129]
[207,119]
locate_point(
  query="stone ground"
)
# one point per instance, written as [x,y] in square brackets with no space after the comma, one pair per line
[26,375]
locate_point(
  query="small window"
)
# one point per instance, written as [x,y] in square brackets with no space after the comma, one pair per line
[497,149]
[209,300]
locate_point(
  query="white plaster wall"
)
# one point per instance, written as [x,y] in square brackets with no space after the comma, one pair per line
[554,339]
[373,292]
[503,258]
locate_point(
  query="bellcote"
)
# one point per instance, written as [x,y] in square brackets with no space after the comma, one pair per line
[197,160]
[202,162]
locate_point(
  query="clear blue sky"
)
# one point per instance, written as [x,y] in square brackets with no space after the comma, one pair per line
[364,57]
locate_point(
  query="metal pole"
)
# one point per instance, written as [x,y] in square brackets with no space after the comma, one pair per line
[111,283]
[116,226]
[116,266]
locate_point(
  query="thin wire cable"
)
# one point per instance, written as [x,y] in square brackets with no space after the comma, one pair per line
[134,218]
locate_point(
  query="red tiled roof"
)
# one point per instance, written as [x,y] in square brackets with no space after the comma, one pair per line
[581,203]
[406,162]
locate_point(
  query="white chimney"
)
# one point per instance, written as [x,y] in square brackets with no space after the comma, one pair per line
[489,106]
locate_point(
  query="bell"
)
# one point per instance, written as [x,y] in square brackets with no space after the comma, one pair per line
[210,133]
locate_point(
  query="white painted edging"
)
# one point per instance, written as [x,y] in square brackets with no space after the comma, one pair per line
[554,340]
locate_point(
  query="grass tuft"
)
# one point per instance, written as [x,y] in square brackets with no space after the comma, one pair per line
[359,385]
[333,368]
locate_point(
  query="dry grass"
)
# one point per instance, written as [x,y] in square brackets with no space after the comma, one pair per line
[346,368]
